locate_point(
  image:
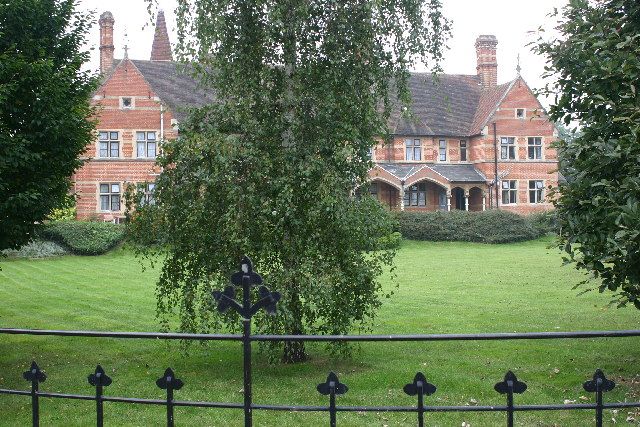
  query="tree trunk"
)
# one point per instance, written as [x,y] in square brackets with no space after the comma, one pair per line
[294,350]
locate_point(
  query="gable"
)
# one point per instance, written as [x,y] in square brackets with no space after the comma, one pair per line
[125,80]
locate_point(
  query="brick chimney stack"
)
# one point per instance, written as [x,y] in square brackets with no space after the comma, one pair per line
[161,48]
[487,63]
[106,42]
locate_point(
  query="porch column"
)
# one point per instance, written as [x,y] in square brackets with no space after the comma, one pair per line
[402,197]
[484,201]
[466,200]
[448,200]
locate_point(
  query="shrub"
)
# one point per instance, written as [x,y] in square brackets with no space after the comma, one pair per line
[84,238]
[545,222]
[37,249]
[493,226]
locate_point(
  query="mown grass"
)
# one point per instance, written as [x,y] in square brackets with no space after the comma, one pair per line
[443,288]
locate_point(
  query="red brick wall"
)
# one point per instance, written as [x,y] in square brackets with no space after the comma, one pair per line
[480,150]
[535,123]
[127,81]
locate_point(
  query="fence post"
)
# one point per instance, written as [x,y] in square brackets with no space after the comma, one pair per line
[509,386]
[420,387]
[99,380]
[332,387]
[169,382]
[36,376]
[598,385]
[246,278]
[246,348]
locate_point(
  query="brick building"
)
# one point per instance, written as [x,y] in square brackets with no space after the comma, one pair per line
[445,152]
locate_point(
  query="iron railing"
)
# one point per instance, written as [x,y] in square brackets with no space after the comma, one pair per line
[419,387]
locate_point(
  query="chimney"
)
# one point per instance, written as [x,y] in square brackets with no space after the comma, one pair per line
[487,62]
[106,42]
[161,48]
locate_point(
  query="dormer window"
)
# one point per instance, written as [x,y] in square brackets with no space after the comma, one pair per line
[520,113]
[126,103]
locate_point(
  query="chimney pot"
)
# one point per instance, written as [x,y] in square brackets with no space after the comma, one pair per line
[487,62]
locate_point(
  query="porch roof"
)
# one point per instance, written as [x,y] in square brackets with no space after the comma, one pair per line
[452,173]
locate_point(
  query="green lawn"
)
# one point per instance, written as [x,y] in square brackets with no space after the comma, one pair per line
[444,288]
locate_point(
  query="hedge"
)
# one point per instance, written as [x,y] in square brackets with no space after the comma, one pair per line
[492,226]
[82,237]
[37,249]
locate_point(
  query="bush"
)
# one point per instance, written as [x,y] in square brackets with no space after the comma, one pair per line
[545,222]
[493,226]
[84,238]
[36,249]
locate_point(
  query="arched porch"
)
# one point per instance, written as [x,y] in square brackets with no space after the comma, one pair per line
[425,195]
[387,194]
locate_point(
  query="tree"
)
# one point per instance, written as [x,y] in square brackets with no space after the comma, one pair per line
[270,169]
[596,61]
[44,110]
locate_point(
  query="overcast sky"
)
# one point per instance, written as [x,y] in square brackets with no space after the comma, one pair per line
[511,21]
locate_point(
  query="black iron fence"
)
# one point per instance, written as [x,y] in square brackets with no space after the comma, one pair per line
[418,388]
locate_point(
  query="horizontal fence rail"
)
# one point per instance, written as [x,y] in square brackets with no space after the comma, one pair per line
[497,336]
[418,389]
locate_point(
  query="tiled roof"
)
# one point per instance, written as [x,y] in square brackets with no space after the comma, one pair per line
[442,107]
[174,87]
[399,170]
[454,105]
[452,173]
[459,173]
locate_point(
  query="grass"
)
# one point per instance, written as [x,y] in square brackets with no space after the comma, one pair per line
[444,288]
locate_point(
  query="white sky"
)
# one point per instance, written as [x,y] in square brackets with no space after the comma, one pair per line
[511,21]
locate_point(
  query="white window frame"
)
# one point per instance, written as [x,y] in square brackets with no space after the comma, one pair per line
[110,194]
[512,189]
[148,198]
[146,141]
[524,113]
[534,146]
[465,149]
[536,191]
[130,107]
[411,147]
[442,153]
[413,193]
[110,141]
[514,146]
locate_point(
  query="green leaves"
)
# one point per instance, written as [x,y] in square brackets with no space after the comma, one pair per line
[44,110]
[596,58]
[270,170]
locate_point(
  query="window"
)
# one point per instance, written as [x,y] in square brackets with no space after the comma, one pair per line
[373,189]
[148,193]
[110,197]
[126,103]
[146,144]
[413,149]
[534,148]
[442,150]
[416,195]
[520,113]
[507,148]
[371,153]
[509,192]
[535,191]
[463,150]
[109,144]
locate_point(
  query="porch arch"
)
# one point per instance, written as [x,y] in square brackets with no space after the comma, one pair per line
[426,173]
